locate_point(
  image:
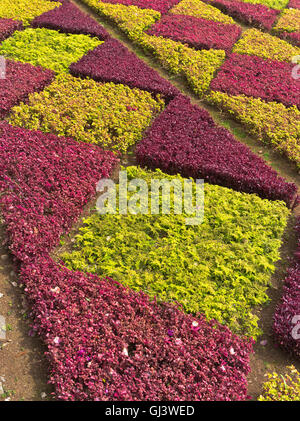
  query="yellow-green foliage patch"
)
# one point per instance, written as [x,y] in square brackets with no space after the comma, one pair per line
[271,122]
[273,4]
[25,10]
[289,21]
[200,10]
[47,48]
[113,116]
[221,267]
[130,19]
[257,43]
[282,388]
[198,67]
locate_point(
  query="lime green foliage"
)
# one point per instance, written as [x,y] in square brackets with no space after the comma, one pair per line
[130,19]
[200,10]
[257,43]
[289,21]
[271,122]
[47,48]
[25,10]
[273,4]
[198,67]
[113,116]
[221,267]
[282,388]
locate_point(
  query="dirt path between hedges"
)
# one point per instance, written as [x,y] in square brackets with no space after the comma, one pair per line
[23,366]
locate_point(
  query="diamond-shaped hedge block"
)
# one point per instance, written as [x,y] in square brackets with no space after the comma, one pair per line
[25,10]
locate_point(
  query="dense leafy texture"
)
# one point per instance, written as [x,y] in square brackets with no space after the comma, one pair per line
[252,76]
[25,10]
[282,388]
[184,139]
[221,267]
[45,182]
[289,307]
[257,116]
[252,14]
[20,80]
[113,116]
[68,18]
[109,343]
[47,48]
[200,10]
[293,37]
[161,6]
[289,21]
[8,27]
[197,32]
[113,62]
[257,43]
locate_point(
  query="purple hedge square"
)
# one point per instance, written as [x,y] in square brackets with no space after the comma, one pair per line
[253,76]
[68,18]
[113,62]
[293,37]
[20,80]
[252,14]
[184,139]
[197,32]
[8,27]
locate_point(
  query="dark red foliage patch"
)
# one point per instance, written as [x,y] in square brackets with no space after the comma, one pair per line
[45,182]
[8,27]
[253,76]
[184,139]
[286,325]
[113,62]
[295,4]
[68,18]
[161,6]
[293,37]
[252,14]
[20,80]
[197,32]
[106,342]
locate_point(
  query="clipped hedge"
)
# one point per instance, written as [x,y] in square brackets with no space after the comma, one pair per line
[196,32]
[251,14]
[273,4]
[221,267]
[184,139]
[45,183]
[257,116]
[200,10]
[109,343]
[257,43]
[8,27]
[47,48]
[289,21]
[25,10]
[20,80]
[282,388]
[161,6]
[113,116]
[252,76]
[68,18]
[113,62]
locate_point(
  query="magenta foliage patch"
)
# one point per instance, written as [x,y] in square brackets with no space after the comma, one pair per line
[20,80]
[106,342]
[295,4]
[113,62]
[294,37]
[161,6]
[286,325]
[68,18]
[252,14]
[184,139]
[253,76]
[197,32]
[47,181]
[8,27]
